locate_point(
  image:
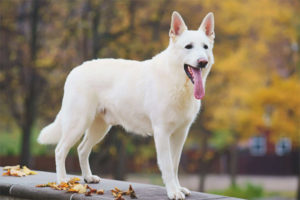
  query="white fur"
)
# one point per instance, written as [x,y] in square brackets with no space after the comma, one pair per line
[152,97]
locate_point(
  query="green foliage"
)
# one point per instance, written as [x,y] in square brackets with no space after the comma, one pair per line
[256,67]
[248,191]
[10,144]
[220,139]
[38,149]
[254,82]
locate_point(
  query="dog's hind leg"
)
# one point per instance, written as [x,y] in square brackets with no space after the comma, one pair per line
[73,127]
[93,135]
[177,141]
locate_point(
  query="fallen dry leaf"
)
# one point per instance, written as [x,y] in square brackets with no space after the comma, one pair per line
[100,192]
[114,193]
[14,172]
[42,185]
[89,193]
[78,188]
[17,171]
[132,192]
[119,197]
[17,167]
[92,190]
[117,193]
[74,180]
[63,186]
[6,173]
[73,186]
[28,171]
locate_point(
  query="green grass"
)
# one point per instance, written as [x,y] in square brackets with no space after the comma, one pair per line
[251,191]
[248,191]
[287,194]
[10,144]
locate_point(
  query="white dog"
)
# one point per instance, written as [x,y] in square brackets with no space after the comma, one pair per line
[159,97]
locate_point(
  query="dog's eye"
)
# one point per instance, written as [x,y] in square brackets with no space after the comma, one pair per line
[205,46]
[189,46]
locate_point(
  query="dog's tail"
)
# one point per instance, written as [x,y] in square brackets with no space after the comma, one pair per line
[51,133]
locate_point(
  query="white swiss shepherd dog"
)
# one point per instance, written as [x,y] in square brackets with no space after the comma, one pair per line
[159,97]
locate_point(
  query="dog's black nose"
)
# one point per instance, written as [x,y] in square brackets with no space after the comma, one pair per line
[202,63]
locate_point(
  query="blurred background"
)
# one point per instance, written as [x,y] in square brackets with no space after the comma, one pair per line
[245,142]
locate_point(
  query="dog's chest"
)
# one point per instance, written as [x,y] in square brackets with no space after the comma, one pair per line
[185,108]
[180,107]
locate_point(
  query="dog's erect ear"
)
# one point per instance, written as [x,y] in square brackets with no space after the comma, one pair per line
[208,25]
[177,25]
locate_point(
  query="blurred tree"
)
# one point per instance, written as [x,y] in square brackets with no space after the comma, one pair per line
[22,81]
[250,52]
[252,86]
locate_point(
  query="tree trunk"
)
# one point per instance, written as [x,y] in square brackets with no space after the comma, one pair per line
[203,164]
[233,162]
[25,158]
[202,179]
[95,34]
[29,115]
[158,19]
[30,89]
[298,188]
[119,171]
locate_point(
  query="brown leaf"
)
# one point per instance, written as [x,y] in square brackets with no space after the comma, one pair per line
[74,187]
[119,197]
[63,186]
[114,193]
[132,192]
[100,192]
[6,173]
[117,190]
[42,185]
[89,193]
[92,189]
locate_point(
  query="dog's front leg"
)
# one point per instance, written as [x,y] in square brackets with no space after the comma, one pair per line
[176,142]
[165,163]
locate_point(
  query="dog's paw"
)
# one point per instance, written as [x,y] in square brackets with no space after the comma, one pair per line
[185,191]
[92,179]
[176,195]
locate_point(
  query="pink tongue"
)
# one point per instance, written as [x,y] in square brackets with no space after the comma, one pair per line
[198,84]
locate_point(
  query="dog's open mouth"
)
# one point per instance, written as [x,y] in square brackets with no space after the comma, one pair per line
[195,76]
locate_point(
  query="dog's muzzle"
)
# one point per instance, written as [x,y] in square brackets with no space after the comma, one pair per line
[202,63]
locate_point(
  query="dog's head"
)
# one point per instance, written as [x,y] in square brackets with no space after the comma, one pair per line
[194,49]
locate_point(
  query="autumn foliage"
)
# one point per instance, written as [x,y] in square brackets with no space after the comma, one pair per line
[254,85]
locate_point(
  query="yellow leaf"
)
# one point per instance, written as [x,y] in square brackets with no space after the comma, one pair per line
[79,188]
[28,171]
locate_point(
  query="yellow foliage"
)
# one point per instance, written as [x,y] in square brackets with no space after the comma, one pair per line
[250,90]
[253,85]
